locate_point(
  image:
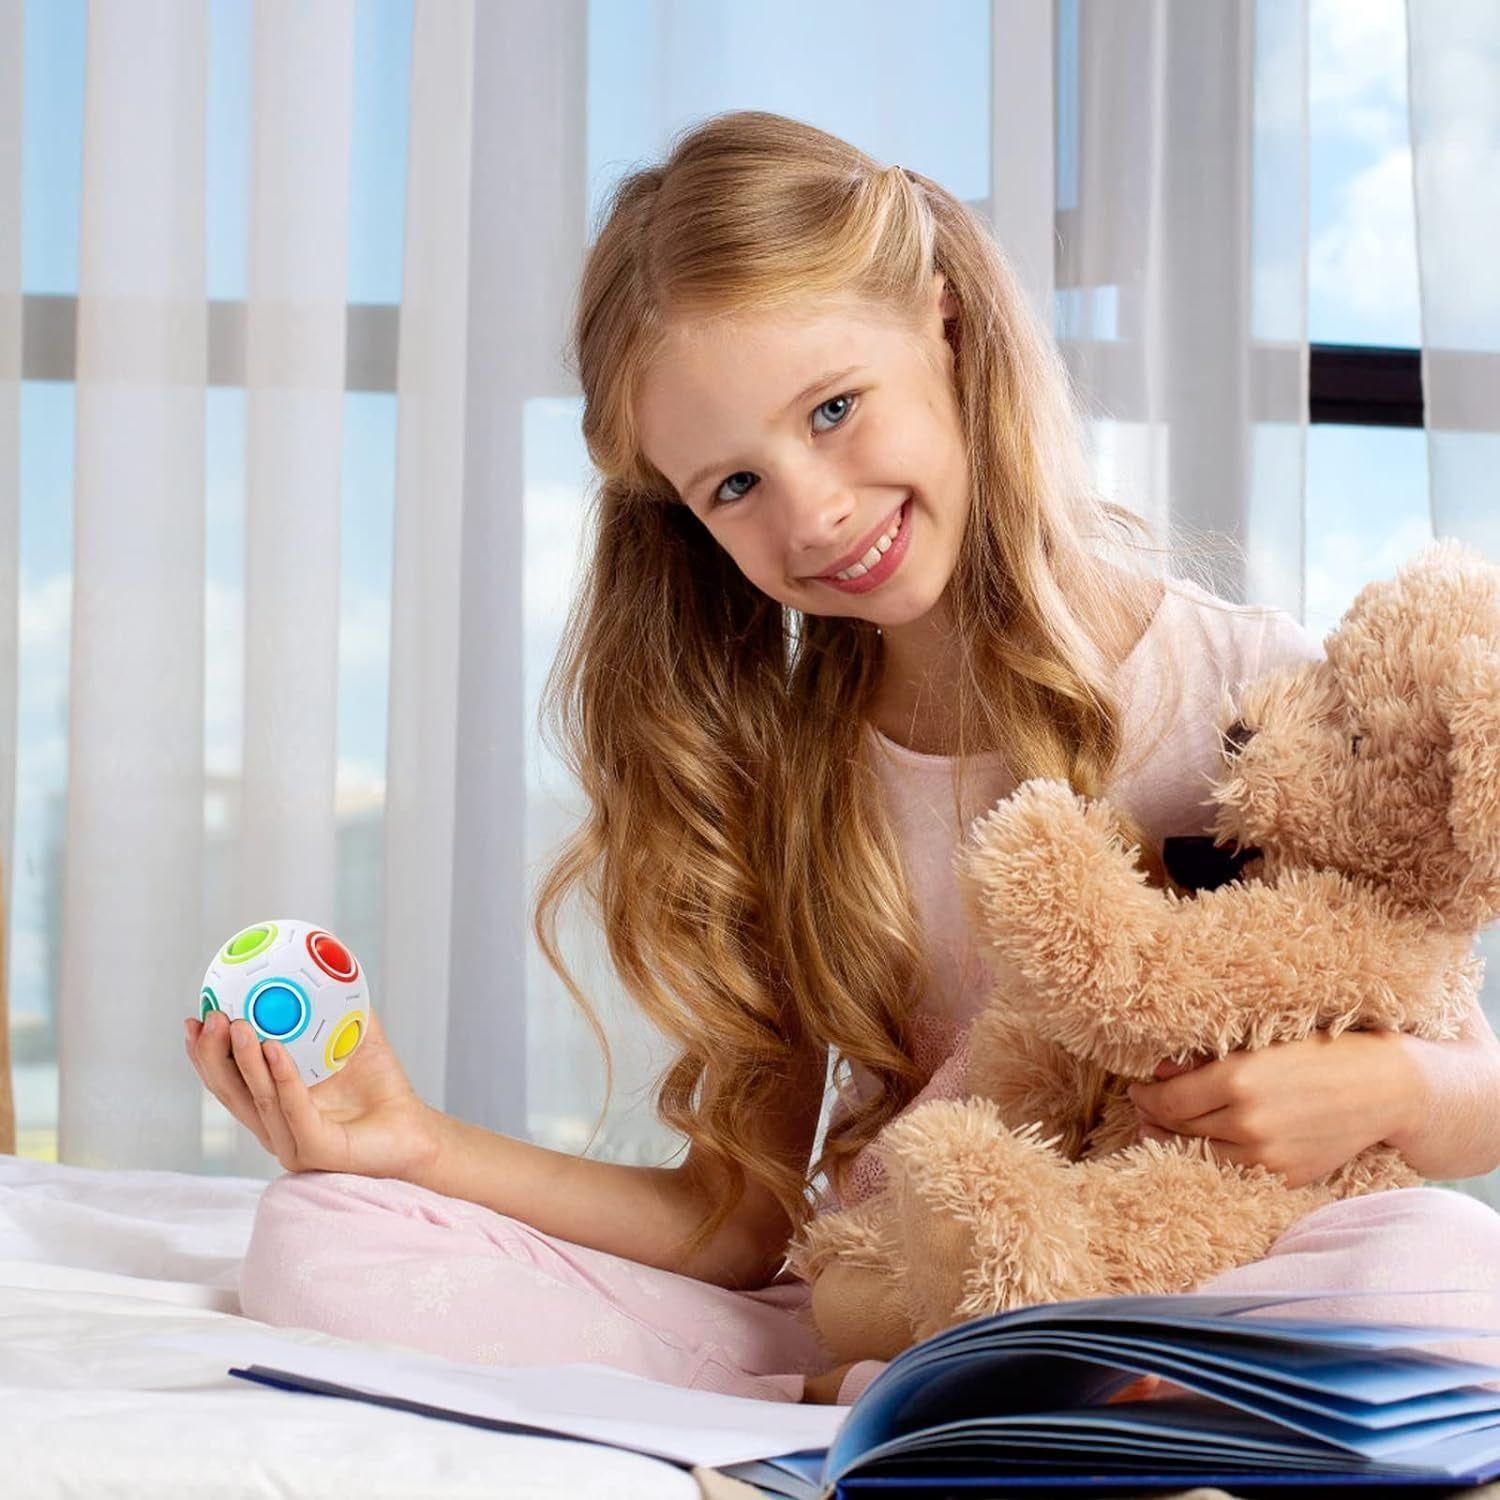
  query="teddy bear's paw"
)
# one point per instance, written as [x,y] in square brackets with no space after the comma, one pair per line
[862,1234]
[1047,881]
[949,1153]
[987,1215]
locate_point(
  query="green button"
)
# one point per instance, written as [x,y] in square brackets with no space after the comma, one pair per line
[247,942]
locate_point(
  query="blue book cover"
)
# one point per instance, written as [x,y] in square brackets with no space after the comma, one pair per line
[1020,1400]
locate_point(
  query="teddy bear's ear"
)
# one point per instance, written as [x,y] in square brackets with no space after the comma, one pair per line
[1468,697]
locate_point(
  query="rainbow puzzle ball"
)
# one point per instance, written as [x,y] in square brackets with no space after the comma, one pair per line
[296,984]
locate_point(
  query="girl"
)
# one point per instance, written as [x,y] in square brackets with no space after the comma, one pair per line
[846,558]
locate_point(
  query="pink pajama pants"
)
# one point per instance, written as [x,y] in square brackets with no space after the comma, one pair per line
[378,1258]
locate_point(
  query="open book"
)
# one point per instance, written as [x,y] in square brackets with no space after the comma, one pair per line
[1015,1400]
[1021,1400]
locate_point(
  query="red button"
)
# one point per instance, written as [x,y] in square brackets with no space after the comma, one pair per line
[331,955]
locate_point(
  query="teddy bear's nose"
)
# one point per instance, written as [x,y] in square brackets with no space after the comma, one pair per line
[1236,737]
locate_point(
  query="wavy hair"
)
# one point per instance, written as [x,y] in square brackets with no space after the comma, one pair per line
[750,892]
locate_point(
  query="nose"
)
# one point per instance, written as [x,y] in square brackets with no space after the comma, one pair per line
[1235,738]
[814,523]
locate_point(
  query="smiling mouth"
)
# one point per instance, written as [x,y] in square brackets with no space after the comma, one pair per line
[897,518]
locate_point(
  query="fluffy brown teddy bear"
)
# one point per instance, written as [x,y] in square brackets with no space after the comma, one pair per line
[1363,795]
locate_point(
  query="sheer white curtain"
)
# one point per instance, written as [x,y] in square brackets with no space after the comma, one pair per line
[134,840]
[1454,92]
[1143,166]
[1181,226]
[300,116]
[527,204]
[427,545]
[494,237]
[132,914]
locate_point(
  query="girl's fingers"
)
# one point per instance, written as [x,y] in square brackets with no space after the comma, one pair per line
[302,1116]
[263,1091]
[212,1057]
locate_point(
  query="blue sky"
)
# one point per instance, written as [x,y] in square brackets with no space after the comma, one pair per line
[1367,488]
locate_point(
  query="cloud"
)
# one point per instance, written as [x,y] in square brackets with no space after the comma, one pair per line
[364,633]
[1363,266]
[1357,70]
[1340,563]
[359,787]
[1462,211]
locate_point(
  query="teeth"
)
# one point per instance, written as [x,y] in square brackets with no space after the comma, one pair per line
[873,556]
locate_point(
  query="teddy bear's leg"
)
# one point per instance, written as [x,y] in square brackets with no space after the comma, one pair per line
[860,1313]
[988,1217]
[849,1258]
[1167,1216]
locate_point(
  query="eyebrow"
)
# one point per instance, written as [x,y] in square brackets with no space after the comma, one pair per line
[709,470]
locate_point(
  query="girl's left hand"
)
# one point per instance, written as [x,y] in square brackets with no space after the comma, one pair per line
[1300,1108]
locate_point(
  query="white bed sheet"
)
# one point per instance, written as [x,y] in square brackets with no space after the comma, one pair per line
[92,1262]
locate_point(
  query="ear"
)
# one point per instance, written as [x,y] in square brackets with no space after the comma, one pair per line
[1468,697]
[947,302]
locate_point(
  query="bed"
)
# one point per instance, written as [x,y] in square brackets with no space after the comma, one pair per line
[93,1263]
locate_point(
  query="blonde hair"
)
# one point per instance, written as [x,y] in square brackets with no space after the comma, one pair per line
[749,889]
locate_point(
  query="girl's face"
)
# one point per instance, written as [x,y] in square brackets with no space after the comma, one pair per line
[792,472]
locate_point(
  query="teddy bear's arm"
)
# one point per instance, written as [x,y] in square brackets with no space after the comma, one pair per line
[1317,950]
[1048,882]
[1244,966]
[1125,975]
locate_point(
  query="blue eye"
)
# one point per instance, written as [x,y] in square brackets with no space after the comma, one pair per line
[849,396]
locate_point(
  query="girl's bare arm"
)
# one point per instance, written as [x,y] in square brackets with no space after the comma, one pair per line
[642,1213]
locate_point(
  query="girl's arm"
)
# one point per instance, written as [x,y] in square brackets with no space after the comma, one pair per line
[1304,1108]
[642,1213]
[1453,1128]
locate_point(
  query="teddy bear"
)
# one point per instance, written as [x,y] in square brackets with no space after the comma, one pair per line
[1361,797]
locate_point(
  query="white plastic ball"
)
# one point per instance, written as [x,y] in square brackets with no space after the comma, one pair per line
[297,985]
